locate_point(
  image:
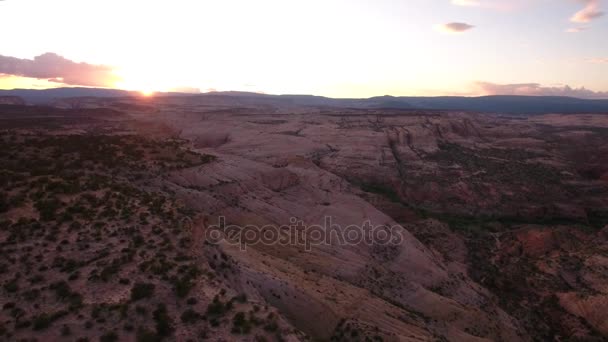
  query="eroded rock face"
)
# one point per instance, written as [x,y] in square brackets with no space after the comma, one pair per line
[592,309]
[405,279]
[559,271]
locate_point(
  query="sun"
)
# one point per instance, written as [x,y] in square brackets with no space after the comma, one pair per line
[137,82]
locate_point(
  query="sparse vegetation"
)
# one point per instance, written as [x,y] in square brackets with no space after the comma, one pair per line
[91,219]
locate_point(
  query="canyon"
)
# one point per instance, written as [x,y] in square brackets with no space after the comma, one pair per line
[502,221]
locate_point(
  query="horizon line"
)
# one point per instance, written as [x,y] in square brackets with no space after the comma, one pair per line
[169,93]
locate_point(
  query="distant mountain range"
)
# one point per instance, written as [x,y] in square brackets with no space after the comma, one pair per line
[502,104]
[44,96]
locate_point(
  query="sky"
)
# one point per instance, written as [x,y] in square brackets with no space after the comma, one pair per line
[337,48]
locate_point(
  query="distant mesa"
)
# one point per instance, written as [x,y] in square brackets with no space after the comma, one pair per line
[499,104]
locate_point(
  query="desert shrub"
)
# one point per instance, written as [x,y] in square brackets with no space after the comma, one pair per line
[141,291]
[164,323]
[47,208]
[31,295]
[44,320]
[110,270]
[140,310]
[66,265]
[242,298]
[36,279]
[182,286]
[271,326]
[108,337]
[65,294]
[240,324]
[65,330]
[138,241]
[190,316]
[145,335]
[11,286]
[4,202]
[216,308]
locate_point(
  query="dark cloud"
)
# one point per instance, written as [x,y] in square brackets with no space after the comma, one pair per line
[55,68]
[535,89]
[455,27]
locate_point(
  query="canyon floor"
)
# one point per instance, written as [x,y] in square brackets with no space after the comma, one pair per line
[106,207]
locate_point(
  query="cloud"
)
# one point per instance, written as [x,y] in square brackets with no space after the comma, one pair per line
[454,27]
[576,29]
[58,69]
[603,60]
[535,89]
[589,12]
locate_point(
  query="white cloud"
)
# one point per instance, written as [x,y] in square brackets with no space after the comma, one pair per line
[589,12]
